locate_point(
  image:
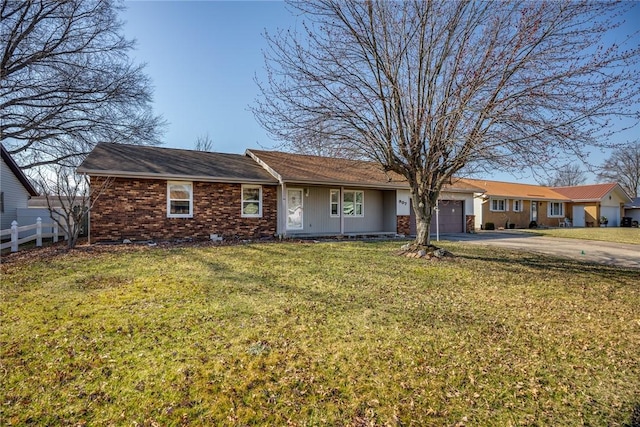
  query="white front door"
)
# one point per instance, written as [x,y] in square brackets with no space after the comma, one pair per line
[578,216]
[294,209]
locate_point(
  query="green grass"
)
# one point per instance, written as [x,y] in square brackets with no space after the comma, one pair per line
[606,234]
[317,334]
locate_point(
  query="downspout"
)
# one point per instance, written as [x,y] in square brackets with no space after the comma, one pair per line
[437,209]
[89,227]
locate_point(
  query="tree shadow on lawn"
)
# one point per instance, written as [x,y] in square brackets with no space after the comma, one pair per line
[308,285]
[516,261]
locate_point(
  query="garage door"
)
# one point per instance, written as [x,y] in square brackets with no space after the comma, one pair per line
[450,216]
[612,214]
[579,216]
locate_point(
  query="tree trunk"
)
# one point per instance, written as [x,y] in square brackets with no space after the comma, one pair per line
[423,208]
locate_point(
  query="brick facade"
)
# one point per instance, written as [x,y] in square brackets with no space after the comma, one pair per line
[470,224]
[403,224]
[136,209]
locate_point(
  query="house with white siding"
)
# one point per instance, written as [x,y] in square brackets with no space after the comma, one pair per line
[15,190]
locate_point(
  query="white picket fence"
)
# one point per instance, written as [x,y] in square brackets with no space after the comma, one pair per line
[15,231]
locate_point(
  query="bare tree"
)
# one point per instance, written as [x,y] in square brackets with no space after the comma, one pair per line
[204,143]
[623,167]
[66,81]
[427,87]
[69,197]
[568,176]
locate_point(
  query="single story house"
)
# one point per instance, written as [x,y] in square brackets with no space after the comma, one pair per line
[590,203]
[15,190]
[508,204]
[505,203]
[333,196]
[161,193]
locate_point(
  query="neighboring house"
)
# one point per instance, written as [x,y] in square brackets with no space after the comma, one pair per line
[589,203]
[161,193]
[15,190]
[505,203]
[632,209]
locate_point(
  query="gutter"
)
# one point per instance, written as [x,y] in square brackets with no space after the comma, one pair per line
[120,174]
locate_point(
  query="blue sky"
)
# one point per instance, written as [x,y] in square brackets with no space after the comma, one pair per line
[202,57]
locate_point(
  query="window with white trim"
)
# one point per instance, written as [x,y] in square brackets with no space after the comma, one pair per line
[353,203]
[179,199]
[251,201]
[498,205]
[556,209]
[517,206]
[334,203]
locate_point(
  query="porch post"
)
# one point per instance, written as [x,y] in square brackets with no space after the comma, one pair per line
[341,211]
[14,236]
[437,209]
[282,210]
[39,232]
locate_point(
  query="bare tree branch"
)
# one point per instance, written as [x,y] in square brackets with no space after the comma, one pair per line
[428,88]
[69,197]
[567,176]
[623,167]
[204,143]
[66,81]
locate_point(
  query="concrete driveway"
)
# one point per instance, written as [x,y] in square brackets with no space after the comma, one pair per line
[623,255]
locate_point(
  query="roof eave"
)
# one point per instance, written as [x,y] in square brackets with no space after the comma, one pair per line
[264,165]
[17,172]
[386,186]
[391,186]
[521,197]
[140,175]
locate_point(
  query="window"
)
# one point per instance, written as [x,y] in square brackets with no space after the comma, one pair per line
[556,209]
[517,206]
[334,203]
[2,202]
[499,205]
[252,201]
[353,203]
[179,199]
[295,209]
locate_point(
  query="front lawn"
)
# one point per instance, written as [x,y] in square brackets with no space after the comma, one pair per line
[605,234]
[317,334]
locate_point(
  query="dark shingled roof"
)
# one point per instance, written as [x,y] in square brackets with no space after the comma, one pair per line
[122,160]
[17,171]
[302,168]
[635,204]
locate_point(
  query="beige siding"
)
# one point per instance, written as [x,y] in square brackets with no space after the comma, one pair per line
[379,212]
